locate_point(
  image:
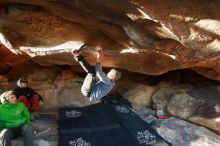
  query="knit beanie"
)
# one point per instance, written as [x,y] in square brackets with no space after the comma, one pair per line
[19,81]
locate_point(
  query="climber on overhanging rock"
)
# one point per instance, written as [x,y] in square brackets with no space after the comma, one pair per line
[96,84]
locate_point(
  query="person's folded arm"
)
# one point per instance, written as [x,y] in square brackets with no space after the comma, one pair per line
[2,125]
[26,115]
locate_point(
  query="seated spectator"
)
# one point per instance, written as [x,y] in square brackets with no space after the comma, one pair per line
[14,120]
[28,96]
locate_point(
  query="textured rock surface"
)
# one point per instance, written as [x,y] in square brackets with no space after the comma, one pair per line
[179,132]
[197,105]
[182,133]
[149,37]
[137,94]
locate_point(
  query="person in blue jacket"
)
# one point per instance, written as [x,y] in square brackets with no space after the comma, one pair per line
[96,84]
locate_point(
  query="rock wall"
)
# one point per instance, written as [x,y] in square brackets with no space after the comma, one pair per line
[146,37]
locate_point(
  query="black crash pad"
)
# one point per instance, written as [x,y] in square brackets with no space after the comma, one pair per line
[109,124]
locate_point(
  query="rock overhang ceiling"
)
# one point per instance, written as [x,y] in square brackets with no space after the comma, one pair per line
[149,37]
